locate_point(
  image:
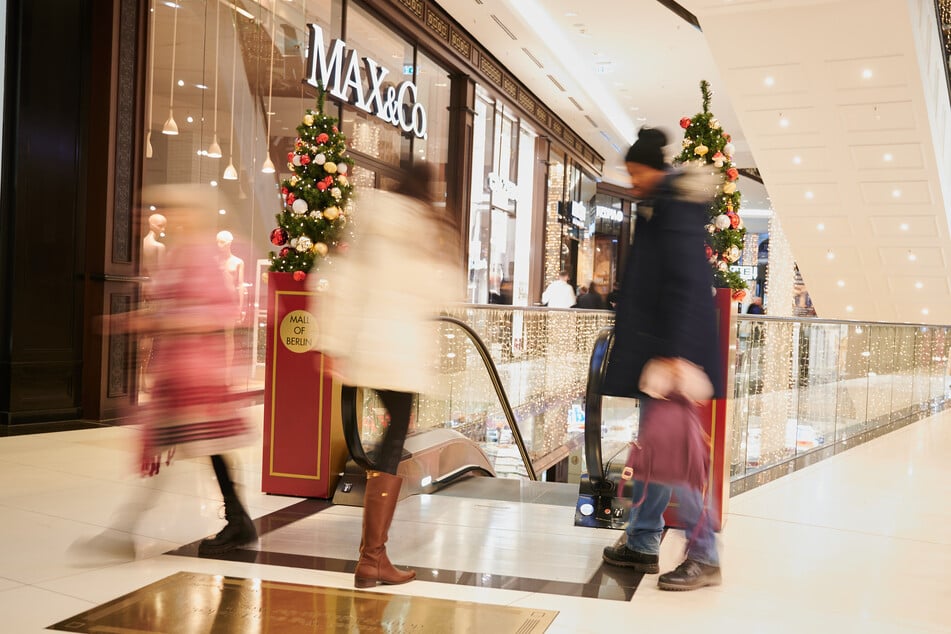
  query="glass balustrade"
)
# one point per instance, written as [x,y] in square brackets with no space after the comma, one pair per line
[800,387]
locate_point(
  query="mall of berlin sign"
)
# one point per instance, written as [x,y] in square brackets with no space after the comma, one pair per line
[338,70]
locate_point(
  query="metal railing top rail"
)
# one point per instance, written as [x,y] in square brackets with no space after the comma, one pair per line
[545,309]
[848,322]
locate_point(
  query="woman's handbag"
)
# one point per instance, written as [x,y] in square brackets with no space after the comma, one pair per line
[671,446]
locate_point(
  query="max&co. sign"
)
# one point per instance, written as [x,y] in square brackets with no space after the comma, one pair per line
[339,71]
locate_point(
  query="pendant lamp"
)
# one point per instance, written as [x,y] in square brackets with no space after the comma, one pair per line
[231,174]
[170,127]
[268,166]
[214,150]
[148,116]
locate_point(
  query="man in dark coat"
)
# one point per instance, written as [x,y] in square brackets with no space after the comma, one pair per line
[591,299]
[665,312]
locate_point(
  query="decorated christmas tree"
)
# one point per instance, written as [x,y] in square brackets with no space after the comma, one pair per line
[315,199]
[705,143]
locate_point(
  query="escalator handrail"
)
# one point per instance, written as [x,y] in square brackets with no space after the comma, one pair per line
[592,408]
[348,406]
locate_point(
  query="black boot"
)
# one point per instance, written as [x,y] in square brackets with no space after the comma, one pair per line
[690,575]
[621,555]
[237,532]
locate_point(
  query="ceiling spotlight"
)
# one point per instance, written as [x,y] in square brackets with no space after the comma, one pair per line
[841,283]
[912,257]
[769,81]
[896,193]
[797,160]
[783,121]
[820,227]
[919,285]
[830,255]
[887,157]
[849,309]
[903,226]
[222,212]
[809,195]
[924,311]
[867,73]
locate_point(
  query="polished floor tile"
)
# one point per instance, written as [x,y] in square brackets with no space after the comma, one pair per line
[860,542]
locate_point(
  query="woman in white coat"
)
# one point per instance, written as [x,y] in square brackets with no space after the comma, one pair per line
[376,323]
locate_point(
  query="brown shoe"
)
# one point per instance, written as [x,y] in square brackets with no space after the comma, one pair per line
[379,504]
[690,575]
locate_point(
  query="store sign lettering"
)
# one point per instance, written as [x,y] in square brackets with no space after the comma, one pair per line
[744,271]
[606,213]
[338,70]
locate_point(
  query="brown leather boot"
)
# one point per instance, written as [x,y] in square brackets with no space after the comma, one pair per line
[379,503]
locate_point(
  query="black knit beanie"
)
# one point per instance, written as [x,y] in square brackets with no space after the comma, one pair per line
[648,149]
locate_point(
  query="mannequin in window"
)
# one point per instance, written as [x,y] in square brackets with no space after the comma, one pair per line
[233,269]
[153,252]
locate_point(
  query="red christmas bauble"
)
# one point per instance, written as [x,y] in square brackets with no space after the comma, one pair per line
[322,186]
[299,276]
[734,220]
[685,122]
[732,174]
[305,160]
[278,237]
[284,190]
[291,198]
[709,252]
[322,137]
[290,156]
[284,252]
[739,295]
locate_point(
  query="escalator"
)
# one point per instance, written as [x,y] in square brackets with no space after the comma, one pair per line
[466,436]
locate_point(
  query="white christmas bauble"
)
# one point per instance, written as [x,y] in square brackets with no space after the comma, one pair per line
[722,222]
[728,149]
[722,266]
[296,160]
[342,168]
[714,124]
[342,180]
[733,254]
[320,159]
[331,213]
[336,193]
[710,228]
[315,215]
[293,242]
[299,206]
[304,243]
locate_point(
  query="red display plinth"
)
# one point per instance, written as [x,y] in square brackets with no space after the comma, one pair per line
[716,417]
[304,450]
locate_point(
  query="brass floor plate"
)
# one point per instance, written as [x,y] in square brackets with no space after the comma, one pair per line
[192,602]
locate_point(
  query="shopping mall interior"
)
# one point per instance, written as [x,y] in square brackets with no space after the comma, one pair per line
[829,126]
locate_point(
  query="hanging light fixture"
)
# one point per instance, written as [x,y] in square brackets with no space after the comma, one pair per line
[268,166]
[148,116]
[214,150]
[231,174]
[170,127]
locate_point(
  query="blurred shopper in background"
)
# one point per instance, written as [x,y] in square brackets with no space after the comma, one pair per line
[190,411]
[756,306]
[375,308]
[559,293]
[665,312]
[590,298]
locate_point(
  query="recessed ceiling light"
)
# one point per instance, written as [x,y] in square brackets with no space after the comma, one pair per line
[809,195]
[783,122]
[867,73]
[181,82]
[849,308]
[201,86]
[222,212]
[190,119]
[797,160]
[903,226]
[887,157]
[769,81]
[896,193]
[214,183]
[912,257]
[919,285]
[820,226]
[152,207]
[830,255]
[841,283]
[924,311]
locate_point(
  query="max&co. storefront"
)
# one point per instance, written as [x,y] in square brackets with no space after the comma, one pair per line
[211,92]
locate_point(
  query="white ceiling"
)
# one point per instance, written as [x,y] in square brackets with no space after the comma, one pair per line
[850,150]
